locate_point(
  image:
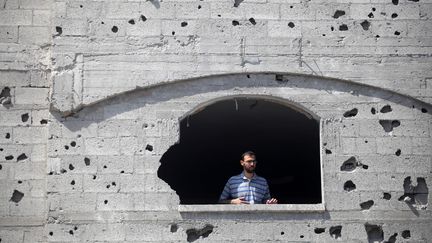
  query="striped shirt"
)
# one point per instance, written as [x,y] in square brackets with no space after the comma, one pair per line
[254,191]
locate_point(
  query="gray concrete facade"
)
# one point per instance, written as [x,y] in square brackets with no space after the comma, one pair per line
[87,87]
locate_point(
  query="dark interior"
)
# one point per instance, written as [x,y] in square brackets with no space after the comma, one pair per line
[285,141]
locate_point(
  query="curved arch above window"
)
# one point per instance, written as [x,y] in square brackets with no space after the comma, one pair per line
[285,138]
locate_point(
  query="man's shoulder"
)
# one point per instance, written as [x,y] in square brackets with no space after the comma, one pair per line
[260,178]
[236,177]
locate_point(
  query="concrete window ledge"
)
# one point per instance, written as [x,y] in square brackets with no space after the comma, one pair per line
[252,208]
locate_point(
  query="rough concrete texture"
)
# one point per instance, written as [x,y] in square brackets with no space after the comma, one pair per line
[92,93]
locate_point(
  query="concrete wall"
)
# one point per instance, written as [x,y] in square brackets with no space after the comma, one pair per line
[74,164]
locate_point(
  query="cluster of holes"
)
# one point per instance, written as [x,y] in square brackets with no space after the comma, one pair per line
[415,195]
[388,125]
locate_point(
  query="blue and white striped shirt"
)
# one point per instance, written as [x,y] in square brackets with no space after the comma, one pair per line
[254,191]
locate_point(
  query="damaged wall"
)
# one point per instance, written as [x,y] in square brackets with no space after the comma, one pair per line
[79,159]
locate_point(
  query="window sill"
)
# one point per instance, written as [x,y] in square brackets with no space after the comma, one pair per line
[252,208]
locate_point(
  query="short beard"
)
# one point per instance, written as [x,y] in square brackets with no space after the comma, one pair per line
[251,170]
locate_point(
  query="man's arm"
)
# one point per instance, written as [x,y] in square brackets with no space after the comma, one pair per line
[267,198]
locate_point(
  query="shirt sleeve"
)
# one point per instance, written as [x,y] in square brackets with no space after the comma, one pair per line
[226,192]
[267,193]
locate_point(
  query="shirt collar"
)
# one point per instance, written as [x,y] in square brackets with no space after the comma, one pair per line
[242,175]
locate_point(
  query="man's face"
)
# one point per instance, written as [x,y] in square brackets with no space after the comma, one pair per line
[248,163]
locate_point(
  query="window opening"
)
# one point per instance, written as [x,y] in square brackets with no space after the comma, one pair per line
[286,143]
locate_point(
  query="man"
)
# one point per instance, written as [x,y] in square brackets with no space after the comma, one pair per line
[247,188]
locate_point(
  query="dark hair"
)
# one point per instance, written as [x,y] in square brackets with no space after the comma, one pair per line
[249,153]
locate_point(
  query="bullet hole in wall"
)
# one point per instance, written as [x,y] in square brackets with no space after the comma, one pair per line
[16,196]
[279,77]
[349,186]
[94,177]
[1,167]
[114,29]
[415,195]
[9,157]
[301,236]
[7,135]
[24,117]
[319,230]
[71,232]
[252,21]
[374,233]
[366,205]
[72,182]
[194,234]
[199,6]
[328,151]
[184,24]
[388,125]
[423,110]
[19,182]
[173,33]
[71,167]
[396,33]
[105,201]
[394,15]
[66,147]
[235,23]
[386,109]
[351,113]
[406,234]
[73,144]
[332,28]
[373,111]
[237,3]
[335,231]
[395,2]
[398,152]
[59,30]
[63,171]
[392,238]
[338,14]
[350,164]
[386,196]
[131,21]
[370,15]
[143,18]
[43,121]
[291,25]
[51,233]
[365,25]
[343,27]
[282,233]
[149,147]
[22,156]
[374,9]
[173,228]
[5,97]
[87,161]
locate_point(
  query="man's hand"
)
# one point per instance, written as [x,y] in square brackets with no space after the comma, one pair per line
[272,201]
[239,200]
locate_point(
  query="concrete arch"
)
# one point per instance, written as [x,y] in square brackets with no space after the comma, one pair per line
[282,79]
